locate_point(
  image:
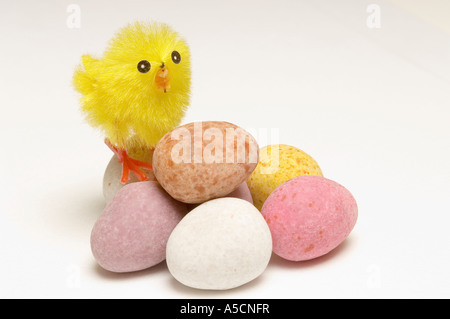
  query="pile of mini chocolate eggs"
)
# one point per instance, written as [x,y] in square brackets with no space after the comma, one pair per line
[216,207]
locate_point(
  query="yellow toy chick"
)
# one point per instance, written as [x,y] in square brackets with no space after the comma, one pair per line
[138,91]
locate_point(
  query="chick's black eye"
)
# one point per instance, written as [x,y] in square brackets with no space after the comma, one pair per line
[143,66]
[176,57]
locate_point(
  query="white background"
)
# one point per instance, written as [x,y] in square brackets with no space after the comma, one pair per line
[371,105]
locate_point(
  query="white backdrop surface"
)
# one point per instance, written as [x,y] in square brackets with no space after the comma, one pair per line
[362,86]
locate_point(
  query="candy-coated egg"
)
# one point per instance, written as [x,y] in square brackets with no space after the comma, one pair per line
[278,164]
[132,232]
[221,244]
[309,216]
[200,161]
[113,172]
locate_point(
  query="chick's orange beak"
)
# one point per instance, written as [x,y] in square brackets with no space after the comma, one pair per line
[162,79]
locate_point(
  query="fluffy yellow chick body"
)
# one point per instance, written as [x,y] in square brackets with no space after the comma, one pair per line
[140,88]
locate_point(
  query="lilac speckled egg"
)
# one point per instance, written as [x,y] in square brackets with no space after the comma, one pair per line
[132,232]
[309,216]
[242,192]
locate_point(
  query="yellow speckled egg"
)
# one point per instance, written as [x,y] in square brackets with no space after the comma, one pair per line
[278,164]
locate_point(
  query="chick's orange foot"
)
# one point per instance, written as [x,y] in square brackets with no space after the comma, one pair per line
[129,164]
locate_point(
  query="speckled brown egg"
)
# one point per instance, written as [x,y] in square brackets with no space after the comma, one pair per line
[204,160]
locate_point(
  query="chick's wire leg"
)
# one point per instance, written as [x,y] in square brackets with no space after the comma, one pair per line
[129,164]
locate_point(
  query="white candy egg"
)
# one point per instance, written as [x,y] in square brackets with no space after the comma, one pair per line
[221,244]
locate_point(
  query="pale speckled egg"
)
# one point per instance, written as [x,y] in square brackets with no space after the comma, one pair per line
[113,173]
[309,216]
[221,244]
[278,164]
[200,161]
[132,232]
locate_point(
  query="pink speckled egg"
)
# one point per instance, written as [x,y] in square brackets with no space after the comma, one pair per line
[132,232]
[309,216]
